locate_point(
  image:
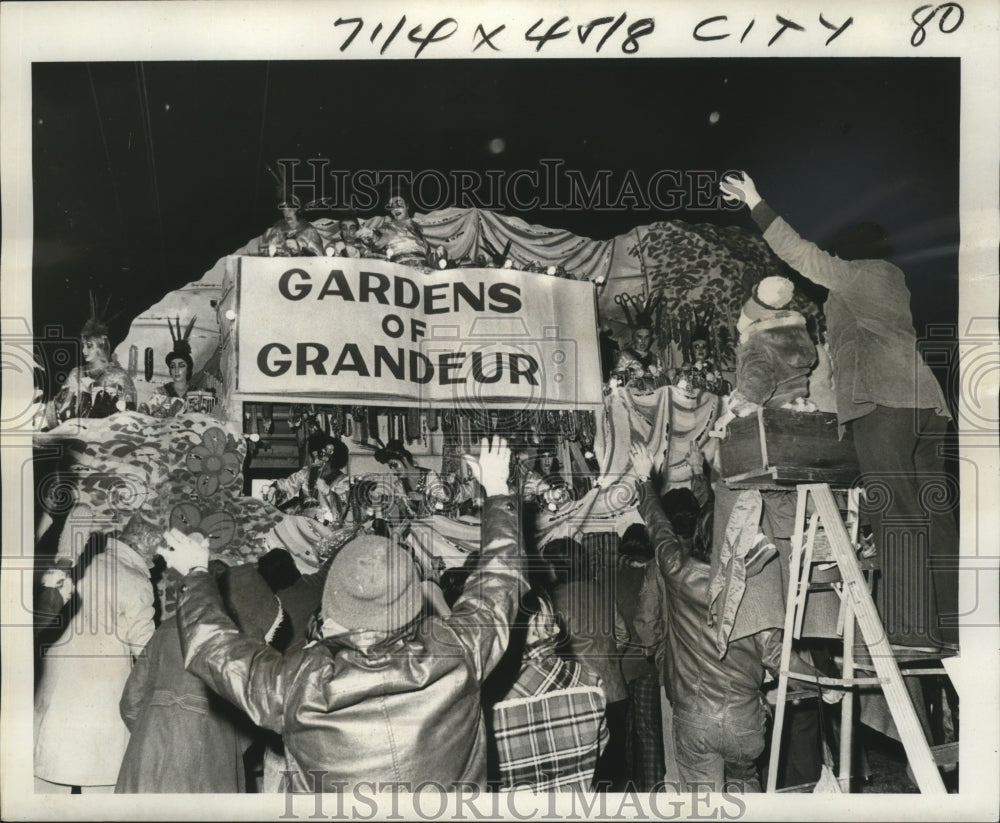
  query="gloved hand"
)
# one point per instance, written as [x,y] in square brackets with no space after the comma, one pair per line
[186,552]
[832,695]
[735,189]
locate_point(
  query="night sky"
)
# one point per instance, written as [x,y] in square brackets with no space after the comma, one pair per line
[145,174]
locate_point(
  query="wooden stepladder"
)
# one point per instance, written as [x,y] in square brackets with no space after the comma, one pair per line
[821,536]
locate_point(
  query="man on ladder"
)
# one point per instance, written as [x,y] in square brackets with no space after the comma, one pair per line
[898,417]
[897,413]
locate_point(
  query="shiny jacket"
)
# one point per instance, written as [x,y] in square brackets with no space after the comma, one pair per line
[587,611]
[404,714]
[639,625]
[696,680]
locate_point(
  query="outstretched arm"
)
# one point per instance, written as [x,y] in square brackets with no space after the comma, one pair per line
[805,257]
[670,554]
[481,617]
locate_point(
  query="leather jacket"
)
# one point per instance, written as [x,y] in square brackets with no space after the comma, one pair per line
[405,713]
[696,680]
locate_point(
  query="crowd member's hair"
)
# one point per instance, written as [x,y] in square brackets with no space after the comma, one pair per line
[690,521]
[862,241]
[278,569]
[682,510]
[636,543]
[254,607]
[568,560]
[536,604]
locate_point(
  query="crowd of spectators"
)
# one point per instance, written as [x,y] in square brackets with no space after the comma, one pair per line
[550,665]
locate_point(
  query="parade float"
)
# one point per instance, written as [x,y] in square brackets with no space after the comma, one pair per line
[501,329]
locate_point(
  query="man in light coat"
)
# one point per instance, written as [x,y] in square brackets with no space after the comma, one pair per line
[80,737]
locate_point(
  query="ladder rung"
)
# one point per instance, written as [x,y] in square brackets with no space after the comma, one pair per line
[836,681]
[907,672]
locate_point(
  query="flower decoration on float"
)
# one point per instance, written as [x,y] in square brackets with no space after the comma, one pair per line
[218,526]
[213,463]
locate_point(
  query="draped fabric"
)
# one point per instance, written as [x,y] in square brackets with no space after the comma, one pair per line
[667,422]
[701,272]
[728,581]
[441,539]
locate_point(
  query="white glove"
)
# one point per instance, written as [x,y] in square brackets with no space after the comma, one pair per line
[186,552]
[832,695]
[492,466]
[742,190]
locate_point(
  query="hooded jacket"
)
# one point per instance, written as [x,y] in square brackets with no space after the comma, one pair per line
[774,359]
[406,713]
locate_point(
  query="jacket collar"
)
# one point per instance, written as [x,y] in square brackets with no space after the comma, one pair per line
[126,554]
[781,320]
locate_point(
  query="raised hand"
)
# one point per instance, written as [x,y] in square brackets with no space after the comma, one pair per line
[740,189]
[185,552]
[492,466]
[642,461]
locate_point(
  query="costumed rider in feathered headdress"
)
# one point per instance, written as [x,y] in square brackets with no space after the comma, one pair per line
[98,388]
[701,372]
[640,366]
[169,398]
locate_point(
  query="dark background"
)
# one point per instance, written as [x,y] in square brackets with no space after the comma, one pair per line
[146,173]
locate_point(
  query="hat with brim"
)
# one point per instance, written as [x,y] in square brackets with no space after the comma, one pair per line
[372,585]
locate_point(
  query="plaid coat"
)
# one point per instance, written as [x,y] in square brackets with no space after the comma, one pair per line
[550,730]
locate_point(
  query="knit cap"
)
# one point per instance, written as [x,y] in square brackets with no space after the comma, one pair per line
[372,585]
[770,295]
